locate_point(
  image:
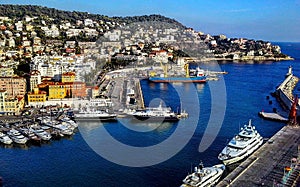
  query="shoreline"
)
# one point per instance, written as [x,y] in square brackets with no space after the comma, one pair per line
[242,59]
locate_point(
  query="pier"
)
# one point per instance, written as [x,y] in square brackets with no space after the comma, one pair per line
[265,167]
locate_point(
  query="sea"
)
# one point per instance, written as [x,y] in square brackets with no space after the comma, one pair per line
[127,153]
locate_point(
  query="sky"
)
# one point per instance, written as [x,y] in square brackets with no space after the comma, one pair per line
[270,20]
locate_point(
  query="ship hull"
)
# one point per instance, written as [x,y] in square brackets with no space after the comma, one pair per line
[108,118]
[178,79]
[154,118]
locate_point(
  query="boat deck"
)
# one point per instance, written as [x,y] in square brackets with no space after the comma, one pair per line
[265,167]
[273,116]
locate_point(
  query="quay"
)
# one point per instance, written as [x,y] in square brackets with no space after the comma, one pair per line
[265,167]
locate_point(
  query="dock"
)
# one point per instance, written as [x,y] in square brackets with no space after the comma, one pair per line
[265,167]
[272,116]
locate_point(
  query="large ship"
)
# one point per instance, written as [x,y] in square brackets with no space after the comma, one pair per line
[204,176]
[192,75]
[241,145]
[159,113]
[95,115]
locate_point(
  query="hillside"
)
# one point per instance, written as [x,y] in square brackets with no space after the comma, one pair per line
[19,11]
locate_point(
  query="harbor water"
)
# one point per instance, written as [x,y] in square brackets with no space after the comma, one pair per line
[74,162]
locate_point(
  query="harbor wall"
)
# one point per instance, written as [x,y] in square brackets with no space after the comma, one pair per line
[284,92]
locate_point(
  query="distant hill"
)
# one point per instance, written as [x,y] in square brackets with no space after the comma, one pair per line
[19,11]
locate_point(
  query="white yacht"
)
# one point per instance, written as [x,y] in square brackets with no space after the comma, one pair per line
[17,137]
[41,133]
[204,176]
[5,139]
[71,122]
[241,145]
[62,128]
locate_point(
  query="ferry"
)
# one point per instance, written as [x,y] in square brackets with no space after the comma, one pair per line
[204,176]
[159,113]
[94,115]
[242,145]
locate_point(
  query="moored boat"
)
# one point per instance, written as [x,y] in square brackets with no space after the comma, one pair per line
[31,136]
[16,136]
[5,139]
[94,115]
[159,113]
[41,133]
[204,176]
[242,145]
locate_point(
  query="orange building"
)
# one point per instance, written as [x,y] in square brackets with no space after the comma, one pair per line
[15,86]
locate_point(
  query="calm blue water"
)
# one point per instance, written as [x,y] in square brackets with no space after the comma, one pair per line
[71,162]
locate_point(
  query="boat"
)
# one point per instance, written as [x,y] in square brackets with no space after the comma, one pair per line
[242,145]
[192,75]
[63,129]
[204,176]
[41,133]
[16,136]
[94,115]
[159,113]
[69,121]
[5,139]
[30,135]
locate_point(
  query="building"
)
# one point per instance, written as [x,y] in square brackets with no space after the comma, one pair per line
[3,95]
[56,90]
[61,90]
[15,86]
[13,106]
[35,79]
[6,71]
[10,106]
[68,77]
[37,97]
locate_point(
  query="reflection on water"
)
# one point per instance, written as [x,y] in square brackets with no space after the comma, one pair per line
[89,126]
[132,124]
[21,146]
[141,126]
[200,87]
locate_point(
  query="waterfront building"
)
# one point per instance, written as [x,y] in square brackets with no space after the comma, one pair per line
[61,90]
[15,86]
[37,97]
[3,95]
[56,90]
[13,106]
[75,89]
[9,105]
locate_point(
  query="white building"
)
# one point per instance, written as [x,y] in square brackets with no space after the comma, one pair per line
[35,79]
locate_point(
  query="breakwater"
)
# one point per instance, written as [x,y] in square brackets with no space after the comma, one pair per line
[285,91]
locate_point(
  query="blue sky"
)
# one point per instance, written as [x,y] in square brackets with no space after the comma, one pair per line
[272,20]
